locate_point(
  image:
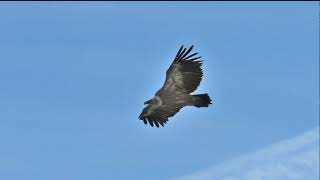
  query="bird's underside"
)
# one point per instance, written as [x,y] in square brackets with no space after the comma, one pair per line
[182,78]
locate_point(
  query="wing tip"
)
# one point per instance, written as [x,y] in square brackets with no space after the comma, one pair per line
[183,52]
[153,123]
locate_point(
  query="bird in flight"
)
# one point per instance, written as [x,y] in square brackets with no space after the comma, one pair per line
[182,78]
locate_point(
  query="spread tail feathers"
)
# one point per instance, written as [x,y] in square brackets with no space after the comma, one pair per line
[201,100]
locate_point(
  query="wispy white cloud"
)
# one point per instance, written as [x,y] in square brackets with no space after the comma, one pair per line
[293,159]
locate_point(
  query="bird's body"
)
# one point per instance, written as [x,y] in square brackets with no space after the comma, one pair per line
[182,78]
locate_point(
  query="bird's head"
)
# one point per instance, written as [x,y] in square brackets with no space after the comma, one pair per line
[148,102]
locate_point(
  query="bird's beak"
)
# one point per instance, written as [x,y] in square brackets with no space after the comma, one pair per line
[148,102]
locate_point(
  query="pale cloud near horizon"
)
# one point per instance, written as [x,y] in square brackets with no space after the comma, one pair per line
[296,158]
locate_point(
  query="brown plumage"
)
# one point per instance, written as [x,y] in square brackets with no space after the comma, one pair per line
[182,78]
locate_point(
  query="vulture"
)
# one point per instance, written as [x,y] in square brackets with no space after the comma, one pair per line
[182,79]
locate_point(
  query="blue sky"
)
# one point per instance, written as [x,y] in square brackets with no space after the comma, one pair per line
[74,76]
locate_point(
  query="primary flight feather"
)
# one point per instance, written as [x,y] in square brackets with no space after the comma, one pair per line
[182,78]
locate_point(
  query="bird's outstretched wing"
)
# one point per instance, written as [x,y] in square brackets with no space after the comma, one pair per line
[156,115]
[185,72]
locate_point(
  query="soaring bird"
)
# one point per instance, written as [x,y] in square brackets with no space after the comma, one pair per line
[182,79]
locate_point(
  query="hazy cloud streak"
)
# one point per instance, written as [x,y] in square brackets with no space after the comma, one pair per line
[293,159]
